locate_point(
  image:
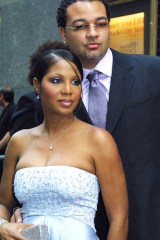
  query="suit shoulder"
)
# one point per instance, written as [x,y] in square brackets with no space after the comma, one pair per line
[139,62]
[136,57]
[28,97]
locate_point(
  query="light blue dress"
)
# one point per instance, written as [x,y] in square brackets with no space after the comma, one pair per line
[62,197]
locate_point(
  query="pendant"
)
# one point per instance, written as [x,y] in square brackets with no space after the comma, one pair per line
[51,147]
[67,130]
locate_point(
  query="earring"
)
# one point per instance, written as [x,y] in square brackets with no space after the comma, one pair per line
[65,44]
[38,97]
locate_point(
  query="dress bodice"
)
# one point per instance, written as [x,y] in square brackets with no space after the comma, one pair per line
[57,191]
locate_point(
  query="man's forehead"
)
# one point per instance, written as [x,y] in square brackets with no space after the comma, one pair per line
[82,10]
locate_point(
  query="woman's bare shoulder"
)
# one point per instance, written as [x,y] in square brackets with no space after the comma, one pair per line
[97,136]
[25,132]
[22,136]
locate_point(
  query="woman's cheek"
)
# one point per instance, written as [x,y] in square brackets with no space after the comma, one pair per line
[49,91]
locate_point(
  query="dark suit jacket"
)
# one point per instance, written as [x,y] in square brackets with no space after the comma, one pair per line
[5,121]
[28,113]
[133,119]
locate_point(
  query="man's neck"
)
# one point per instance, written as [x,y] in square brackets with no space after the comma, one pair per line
[89,65]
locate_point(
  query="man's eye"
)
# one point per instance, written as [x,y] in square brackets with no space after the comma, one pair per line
[79,27]
[102,24]
[76,82]
[56,80]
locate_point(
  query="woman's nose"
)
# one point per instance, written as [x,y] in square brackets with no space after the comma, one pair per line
[67,89]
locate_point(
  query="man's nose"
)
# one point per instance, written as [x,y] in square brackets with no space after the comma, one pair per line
[91,30]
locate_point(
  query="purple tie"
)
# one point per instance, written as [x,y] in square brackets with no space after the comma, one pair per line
[97,107]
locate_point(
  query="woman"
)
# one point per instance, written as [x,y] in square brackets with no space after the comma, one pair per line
[56,169]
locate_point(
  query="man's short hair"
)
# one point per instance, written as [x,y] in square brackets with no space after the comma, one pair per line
[8,94]
[61,11]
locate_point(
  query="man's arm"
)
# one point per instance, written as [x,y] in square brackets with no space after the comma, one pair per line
[4,141]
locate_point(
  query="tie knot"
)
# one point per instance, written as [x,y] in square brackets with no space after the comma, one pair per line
[93,76]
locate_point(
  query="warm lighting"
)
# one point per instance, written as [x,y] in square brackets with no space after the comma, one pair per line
[127,33]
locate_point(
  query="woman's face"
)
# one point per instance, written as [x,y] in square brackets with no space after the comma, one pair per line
[60,89]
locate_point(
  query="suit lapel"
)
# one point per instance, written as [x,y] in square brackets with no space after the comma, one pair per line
[121,83]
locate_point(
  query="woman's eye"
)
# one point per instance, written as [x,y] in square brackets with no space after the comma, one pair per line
[76,82]
[56,80]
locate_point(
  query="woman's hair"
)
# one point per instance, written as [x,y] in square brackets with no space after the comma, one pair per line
[39,66]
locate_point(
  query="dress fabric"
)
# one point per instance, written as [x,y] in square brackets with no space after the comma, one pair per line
[62,197]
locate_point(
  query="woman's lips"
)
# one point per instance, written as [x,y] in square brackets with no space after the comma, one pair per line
[66,102]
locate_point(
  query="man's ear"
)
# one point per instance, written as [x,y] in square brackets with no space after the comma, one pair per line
[36,85]
[63,35]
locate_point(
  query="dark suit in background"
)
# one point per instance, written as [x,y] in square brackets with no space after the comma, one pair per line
[5,121]
[28,113]
[133,119]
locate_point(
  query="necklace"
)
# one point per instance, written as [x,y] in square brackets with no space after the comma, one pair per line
[67,130]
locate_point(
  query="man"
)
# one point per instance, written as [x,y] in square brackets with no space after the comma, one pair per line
[7,102]
[132,84]
[132,89]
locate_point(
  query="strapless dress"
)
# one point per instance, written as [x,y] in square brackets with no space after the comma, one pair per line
[62,197]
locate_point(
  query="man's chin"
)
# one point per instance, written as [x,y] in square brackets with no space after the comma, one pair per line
[92,57]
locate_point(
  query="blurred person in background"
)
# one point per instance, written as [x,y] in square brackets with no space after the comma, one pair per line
[7,103]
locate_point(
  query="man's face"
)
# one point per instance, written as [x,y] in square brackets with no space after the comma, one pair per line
[89,44]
